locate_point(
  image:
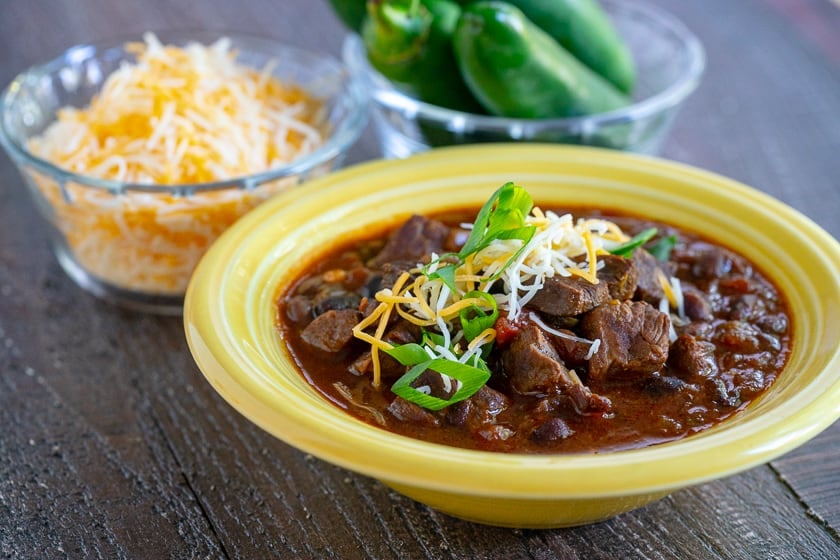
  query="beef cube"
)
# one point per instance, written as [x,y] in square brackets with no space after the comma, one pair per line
[572,350]
[691,357]
[567,296]
[391,271]
[634,339]
[331,331]
[479,410]
[532,363]
[747,307]
[552,430]
[414,240]
[744,338]
[620,276]
[648,283]
[697,307]
[708,262]
[412,413]
[533,367]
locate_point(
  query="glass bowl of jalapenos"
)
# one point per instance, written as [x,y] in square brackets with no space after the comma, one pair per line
[608,73]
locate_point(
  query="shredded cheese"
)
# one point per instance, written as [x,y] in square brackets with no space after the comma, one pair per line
[177,116]
[560,246]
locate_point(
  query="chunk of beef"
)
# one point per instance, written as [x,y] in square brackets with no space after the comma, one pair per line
[697,307]
[689,357]
[550,431]
[634,339]
[571,348]
[532,363]
[533,367]
[747,307]
[413,241]
[402,332]
[738,336]
[412,413]
[620,276]
[331,331]
[391,272]
[708,262]
[566,296]
[479,410]
[648,284]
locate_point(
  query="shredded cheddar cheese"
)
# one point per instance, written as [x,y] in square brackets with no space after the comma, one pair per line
[456,299]
[177,116]
[559,246]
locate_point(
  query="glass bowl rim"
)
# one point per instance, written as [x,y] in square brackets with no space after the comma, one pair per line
[345,134]
[671,96]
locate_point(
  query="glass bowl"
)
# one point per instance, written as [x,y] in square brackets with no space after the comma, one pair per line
[669,62]
[137,244]
[230,318]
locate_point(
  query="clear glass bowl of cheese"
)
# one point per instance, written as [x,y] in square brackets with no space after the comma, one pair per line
[139,153]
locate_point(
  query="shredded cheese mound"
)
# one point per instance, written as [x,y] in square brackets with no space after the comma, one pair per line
[560,245]
[179,115]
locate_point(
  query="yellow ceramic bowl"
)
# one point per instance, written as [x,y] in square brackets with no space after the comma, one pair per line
[230,326]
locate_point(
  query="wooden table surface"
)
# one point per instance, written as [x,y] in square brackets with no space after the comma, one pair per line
[112,445]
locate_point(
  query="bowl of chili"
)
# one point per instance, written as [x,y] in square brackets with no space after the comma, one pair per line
[240,335]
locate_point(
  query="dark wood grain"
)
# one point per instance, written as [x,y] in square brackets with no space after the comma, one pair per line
[112,445]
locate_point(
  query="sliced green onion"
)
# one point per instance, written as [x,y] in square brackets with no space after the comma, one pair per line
[505,210]
[472,379]
[445,273]
[474,319]
[626,249]
[661,250]
[408,354]
[432,339]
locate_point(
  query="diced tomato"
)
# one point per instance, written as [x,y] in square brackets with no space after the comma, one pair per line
[506,330]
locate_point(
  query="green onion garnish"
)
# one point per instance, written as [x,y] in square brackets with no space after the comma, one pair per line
[474,319]
[471,379]
[661,250]
[501,217]
[626,249]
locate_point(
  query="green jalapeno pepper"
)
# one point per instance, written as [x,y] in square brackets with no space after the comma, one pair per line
[410,43]
[515,69]
[351,12]
[583,29]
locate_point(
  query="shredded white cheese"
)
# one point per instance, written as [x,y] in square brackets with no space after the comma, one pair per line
[560,246]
